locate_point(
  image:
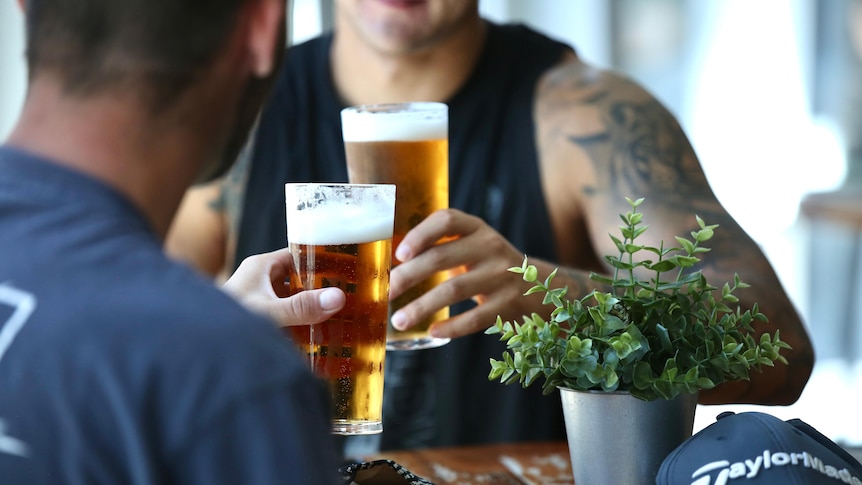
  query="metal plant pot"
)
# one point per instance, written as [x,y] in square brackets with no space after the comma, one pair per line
[615,438]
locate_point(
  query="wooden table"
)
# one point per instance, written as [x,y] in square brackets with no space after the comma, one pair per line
[497,464]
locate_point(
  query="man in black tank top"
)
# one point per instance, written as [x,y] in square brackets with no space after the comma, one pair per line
[543,150]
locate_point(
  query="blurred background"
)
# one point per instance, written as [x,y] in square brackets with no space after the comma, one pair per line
[770,94]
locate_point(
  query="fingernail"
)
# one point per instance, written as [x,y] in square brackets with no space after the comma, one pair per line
[403,252]
[398,320]
[331,299]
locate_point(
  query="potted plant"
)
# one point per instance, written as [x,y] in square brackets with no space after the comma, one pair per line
[660,334]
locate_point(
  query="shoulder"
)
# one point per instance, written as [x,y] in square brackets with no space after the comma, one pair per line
[182,304]
[609,120]
[202,350]
[613,137]
[579,95]
[165,312]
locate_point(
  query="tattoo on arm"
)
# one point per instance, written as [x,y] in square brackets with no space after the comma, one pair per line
[642,150]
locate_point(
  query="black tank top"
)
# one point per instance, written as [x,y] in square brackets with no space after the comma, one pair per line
[442,396]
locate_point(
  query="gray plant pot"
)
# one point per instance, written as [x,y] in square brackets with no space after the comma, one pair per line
[615,438]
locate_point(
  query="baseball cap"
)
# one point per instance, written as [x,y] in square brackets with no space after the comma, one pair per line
[758,448]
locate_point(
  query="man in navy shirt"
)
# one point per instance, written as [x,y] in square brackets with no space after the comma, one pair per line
[118,365]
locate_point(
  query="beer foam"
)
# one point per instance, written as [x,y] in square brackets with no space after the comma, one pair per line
[339,224]
[374,123]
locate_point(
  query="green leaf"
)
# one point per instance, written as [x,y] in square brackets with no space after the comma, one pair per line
[632,248]
[612,324]
[637,232]
[643,376]
[551,277]
[705,383]
[664,338]
[687,245]
[703,235]
[617,263]
[662,266]
[685,261]
[531,274]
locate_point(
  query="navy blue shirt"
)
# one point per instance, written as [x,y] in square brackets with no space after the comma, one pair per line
[119,366]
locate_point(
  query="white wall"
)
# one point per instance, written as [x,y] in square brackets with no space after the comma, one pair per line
[580,23]
[13,70]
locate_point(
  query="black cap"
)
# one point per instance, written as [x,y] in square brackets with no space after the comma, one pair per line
[757,448]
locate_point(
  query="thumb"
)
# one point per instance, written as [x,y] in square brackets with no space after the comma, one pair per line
[306,307]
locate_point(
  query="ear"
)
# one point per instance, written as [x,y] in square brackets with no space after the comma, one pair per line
[266,34]
[22,4]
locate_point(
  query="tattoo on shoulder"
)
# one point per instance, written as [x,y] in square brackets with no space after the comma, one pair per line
[641,149]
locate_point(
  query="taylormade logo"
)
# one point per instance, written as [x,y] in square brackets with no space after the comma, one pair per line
[753,467]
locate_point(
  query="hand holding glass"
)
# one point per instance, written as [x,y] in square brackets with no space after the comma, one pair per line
[406,144]
[341,235]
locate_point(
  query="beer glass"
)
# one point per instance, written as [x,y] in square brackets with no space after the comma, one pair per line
[341,235]
[406,144]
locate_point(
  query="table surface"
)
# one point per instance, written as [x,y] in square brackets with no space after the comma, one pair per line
[496,464]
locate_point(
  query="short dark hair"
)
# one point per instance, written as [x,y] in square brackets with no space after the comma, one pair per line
[155,45]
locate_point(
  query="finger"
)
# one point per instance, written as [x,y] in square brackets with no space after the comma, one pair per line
[477,319]
[482,252]
[489,284]
[282,256]
[255,271]
[441,224]
[306,307]
[483,316]
[281,267]
[450,256]
[453,290]
[440,258]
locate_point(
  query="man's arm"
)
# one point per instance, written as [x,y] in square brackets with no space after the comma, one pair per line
[199,230]
[603,138]
[204,231]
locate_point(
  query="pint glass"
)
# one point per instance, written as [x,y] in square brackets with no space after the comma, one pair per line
[405,144]
[341,235]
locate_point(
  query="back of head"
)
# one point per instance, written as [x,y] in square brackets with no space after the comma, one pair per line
[153,47]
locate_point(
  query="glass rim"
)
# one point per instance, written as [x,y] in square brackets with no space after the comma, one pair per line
[398,108]
[335,184]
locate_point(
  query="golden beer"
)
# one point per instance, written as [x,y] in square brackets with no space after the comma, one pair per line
[406,145]
[346,246]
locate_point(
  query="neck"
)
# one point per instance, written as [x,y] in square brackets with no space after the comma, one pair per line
[119,143]
[364,75]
